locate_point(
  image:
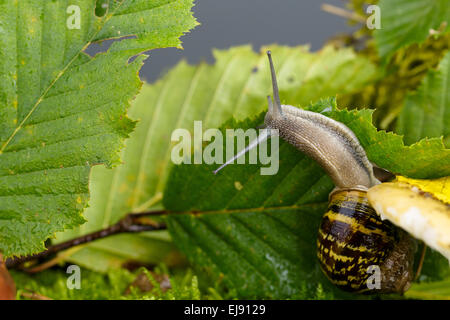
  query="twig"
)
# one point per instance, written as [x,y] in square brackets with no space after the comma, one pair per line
[342,13]
[34,296]
[133,222]
[421,260]
[50,263]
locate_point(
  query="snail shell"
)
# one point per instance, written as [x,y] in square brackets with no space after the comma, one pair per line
[352,238]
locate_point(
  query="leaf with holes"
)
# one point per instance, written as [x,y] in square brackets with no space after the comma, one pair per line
[62,111]
[236,85]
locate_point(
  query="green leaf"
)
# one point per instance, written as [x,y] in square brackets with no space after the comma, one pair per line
[404,72]
[435,266]
[439,290]
[404,22]
[425,159]
[236,85]
[426,112]
[61,111]
[260,231]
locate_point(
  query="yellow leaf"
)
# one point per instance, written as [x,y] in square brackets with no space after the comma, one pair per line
[439,188]
[412,208]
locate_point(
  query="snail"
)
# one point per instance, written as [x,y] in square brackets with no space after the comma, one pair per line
[352,237]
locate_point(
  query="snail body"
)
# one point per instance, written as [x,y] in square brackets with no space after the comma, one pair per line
[330,143]
[352,237]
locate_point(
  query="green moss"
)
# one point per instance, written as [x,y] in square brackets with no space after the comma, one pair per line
[113,285]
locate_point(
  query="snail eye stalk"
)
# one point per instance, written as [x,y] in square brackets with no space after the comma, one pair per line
[276,95]
[265,134]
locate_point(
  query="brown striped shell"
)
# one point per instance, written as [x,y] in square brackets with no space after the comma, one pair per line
[352,238]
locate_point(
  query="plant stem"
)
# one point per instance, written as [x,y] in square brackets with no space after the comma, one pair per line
[34,296]
[133,222]
[342,13]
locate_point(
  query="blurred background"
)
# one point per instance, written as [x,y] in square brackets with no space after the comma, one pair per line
[258,22]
